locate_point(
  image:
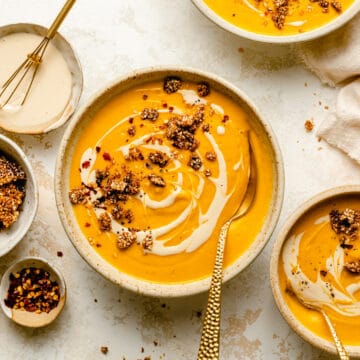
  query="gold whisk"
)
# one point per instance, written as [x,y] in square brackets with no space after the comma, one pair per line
[11,96]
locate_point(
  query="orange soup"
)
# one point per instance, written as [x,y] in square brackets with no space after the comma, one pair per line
[156,173]
[278,17]
[320,264]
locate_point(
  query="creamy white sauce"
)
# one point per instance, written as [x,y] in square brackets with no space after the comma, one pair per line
[220,130]
[296,23]
[51,90]
[191,97]
[218,109]
[207,221]
[319,293]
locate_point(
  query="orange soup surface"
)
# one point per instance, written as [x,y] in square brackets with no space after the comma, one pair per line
[320,263]
[278,17]
[156,173]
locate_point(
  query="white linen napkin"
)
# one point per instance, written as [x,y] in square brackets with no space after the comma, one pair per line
[335,59]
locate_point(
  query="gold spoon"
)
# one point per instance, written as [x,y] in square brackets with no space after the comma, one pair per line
[339,346]
[210,336]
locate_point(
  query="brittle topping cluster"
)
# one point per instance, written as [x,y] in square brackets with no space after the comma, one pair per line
[12,191]
[116,184]
[281,9]
[346,225]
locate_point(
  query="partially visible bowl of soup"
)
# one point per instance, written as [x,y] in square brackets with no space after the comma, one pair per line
[316,259]
[150,170]
[279,21]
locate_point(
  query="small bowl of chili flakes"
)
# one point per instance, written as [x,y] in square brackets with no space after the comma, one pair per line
[32,292]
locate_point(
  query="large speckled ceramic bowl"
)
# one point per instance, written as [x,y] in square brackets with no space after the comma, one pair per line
[63,174]
[339,21]
[75,69]
[10,237]
[285,311]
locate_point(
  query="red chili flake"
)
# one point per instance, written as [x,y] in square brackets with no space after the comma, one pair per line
[141,125]
[106,156]
[85,164]
[87,224]
[165,105]
[225,119]
[131,120]
[323,272]
[171,108]
[144,97]
[98,148]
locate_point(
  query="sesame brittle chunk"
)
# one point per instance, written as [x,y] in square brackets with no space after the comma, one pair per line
[10,172]
[134,154]
[280,12]
[203,88]
[195,162]
[157,180]
[172,84]
[149,114]
[79,195]
[104,222]
[159,158]
[353,267]
[10,200]
[126,239]
[345,222]
[210,155]
[181,130]
[148,242]
[336,5]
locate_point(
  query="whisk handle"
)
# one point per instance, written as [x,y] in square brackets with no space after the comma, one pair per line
[60,18]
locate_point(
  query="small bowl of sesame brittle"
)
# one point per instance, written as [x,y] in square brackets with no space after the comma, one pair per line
[18,195]
[32,292]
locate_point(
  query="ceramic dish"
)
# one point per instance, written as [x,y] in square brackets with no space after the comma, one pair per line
[10,237]
[26,318]
[74,67]
[309,324]
[80,124]
[332,25]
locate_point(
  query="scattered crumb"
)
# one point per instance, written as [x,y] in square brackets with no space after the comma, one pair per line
[59,254]
[104,350]
[309,125]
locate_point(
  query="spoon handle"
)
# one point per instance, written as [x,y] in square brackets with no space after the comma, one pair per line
[210,336]
[339,346]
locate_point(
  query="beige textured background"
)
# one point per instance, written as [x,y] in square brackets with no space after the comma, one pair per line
[112,37]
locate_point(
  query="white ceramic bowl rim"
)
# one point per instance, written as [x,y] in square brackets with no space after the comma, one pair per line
[301,37]
[298,327]
[27,218]
[152,288]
